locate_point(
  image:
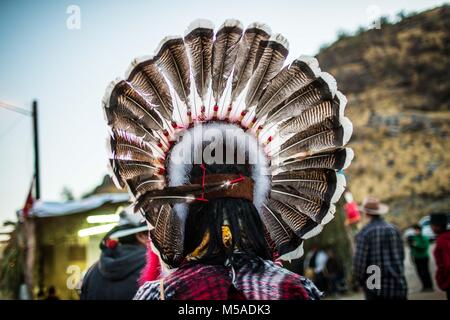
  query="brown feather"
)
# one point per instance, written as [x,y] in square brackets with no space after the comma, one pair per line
[172,59]
[246,57]
[317,138]
[199,44]
[129,169]
[119,121]
[336,159]
[324,112]
[126,146]
[167,234]
[269,64]
[315,182]
[297,221]
[300,101]
[284,238]
[147,79]
[179,194]
[132,104]
[144,183]
[291,78]
[312,206]
[225,49]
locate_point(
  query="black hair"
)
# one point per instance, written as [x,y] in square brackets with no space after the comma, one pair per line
[375,216]
[243,218]
[439,219]
[417,227]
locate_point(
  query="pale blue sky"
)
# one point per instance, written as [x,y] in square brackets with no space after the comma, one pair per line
[68,70]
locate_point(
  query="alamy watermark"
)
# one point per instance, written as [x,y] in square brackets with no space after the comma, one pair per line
[374,16]
[74,277]
[73,21]
[217,145]
[373,282]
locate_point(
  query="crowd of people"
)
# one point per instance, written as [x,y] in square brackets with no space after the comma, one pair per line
[378,244]
[327,270]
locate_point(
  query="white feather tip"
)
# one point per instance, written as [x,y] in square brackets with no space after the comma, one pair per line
[114,178]
[135,63]
[312,63]
[232,23]
[313,232]
[199,24]
[342,103]
[349,155]
[340,187]
[279,38]
[108,91]
[261,26]
[295,254]
[108,149]
[348,129]
[329,216]
[164,41]
[330,81]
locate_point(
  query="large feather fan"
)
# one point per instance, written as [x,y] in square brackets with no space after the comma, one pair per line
[241,77]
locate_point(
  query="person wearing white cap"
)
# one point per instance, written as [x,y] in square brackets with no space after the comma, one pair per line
[379,247]
[115,276]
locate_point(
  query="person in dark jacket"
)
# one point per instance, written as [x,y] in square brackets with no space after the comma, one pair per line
[419,253]
[51,294]
[335,273]
[441,252]
[378,262]
[115,276]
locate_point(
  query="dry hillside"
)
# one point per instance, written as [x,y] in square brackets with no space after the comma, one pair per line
[397,81]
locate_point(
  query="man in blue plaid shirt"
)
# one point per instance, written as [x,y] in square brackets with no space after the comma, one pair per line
[378,262]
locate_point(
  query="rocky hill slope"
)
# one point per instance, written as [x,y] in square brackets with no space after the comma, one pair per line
[397,81]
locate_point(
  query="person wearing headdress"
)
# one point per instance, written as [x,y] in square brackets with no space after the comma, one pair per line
[123,256]
[378,261]
[233,159]
[439,224]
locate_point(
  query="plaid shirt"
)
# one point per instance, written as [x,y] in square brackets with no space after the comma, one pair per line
[379,243]
[250,280]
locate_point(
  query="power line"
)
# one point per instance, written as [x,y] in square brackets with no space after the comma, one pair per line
[10,128]
[15,108]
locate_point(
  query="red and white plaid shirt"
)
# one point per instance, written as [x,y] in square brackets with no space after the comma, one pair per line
[248,279]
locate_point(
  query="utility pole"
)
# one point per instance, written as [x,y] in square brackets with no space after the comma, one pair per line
[34,114]
[29,228]
[31,224]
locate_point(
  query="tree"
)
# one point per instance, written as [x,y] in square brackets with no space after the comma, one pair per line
[342,34]
[401,15]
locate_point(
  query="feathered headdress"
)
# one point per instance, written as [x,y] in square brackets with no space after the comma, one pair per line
[285,121]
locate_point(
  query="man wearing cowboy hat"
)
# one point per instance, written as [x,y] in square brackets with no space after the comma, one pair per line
[115,275]
[379,253]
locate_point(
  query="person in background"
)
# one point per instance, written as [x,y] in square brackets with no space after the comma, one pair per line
[315,262]
[41,294]
[51,294]
[441,251]
[379,244]
[334,273]
[115,276]
[419,253]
